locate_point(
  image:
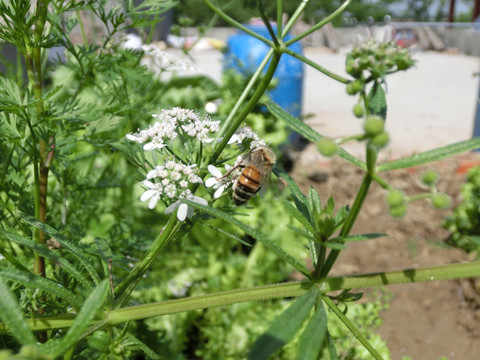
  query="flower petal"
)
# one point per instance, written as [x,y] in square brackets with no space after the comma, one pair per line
[147,195]
[172,207]
[182,212]
[149,146]
[233,139]
[190,211]
[199,200]
[153,201]
[210,182]
[219,192]
[214,171]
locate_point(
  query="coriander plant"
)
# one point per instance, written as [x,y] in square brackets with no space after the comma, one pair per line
[116,189]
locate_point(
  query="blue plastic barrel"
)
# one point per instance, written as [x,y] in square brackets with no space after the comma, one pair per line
[245,53]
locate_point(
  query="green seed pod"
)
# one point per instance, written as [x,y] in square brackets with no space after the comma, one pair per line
[398,211]
[395,198]
[358,110]
[354,87]
[373,125]
[429,177]
[327,146]
[441,201]
[380,140]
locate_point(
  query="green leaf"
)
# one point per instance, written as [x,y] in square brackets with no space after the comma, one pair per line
[301,201]
[303,233]
[226,233]
[310,134]
[293,122]
[330,205]
[50,254]
[361,237]
[312,338]
[315,200]
[253,233]
[431,155]
[335,245]
[377,101]
[87,313]
[133,343]
[104,253]
[285,326]
[331,347]
[353,329]
[74,249]
[296,214]
[38,282]
[11,314]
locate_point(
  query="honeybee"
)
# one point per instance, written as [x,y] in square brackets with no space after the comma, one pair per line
[257,166]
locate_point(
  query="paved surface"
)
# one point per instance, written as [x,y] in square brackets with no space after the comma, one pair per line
[431,105]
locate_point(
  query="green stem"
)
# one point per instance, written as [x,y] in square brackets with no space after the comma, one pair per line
[417,197]
[260,293]
[266,21]
[279,16]
[347,227]
[228,122]
[316,66]
[124,289]
[353,329]
[319,25]
[236,24]
[249,106]
[294,18]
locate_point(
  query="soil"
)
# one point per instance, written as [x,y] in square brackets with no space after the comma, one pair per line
[424,321]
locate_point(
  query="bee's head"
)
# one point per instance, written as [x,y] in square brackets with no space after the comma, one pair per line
[268,155]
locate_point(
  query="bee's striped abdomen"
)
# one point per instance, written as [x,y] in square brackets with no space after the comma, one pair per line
[248,184]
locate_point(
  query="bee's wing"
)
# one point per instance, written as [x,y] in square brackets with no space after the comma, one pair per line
[265,181]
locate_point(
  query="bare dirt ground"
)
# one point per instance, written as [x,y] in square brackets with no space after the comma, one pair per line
[426,320]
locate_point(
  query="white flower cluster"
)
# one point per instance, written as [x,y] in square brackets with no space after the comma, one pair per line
[219,182]
[247,132]
[169,122]
[171,182]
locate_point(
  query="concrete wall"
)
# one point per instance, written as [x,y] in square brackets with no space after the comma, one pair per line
[466,41]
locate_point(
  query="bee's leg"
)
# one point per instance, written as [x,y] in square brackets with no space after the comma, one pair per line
[232,169]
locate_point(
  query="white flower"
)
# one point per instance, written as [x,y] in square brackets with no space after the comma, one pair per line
[217,181]
[246,133]
[184,210]
[153,193]
[171,190]
[140,137]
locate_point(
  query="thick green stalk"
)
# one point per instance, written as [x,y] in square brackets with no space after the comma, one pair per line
[235,123]
[228,122]
[283,290]
[33,61]
[124,289]
[347,227]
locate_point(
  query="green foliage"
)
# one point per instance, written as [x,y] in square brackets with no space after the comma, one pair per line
[464,223]
[80,249]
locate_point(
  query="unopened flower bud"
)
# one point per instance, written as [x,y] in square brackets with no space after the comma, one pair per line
[441,201]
